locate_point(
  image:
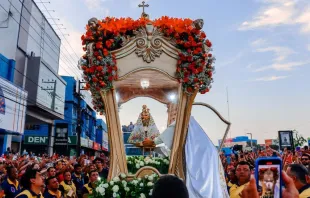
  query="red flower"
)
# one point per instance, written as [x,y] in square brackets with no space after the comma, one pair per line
[99,68]
[98,45]
[105,52]
[189,89]
[205,91]
[110,78]
[185,79]
[209,55]
[84,67]
[208,43]
[109,43]
[94,79]
[102,84]
[203,35]
[210,74]
[83,37]
[96,53]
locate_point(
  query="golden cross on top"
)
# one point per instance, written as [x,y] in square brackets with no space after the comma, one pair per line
[143,6]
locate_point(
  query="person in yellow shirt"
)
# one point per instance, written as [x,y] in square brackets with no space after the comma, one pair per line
[67,187]
[243,174]
[299,174]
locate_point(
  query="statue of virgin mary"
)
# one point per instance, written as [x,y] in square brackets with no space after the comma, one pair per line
[145,128]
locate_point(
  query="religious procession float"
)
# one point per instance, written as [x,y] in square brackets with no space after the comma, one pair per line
[152,58]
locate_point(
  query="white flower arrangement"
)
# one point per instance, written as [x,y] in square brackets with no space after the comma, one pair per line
[120,188]
[134,163]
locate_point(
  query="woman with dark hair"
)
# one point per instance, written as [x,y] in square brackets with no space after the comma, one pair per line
[32,184]
[11,186]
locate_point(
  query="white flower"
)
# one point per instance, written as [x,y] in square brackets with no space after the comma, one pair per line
[141,184]
[114,194]
[111,183]
[127,189]
[150,178]
[106,185]
[135,182]
[150,184]
[115,188]
[100,186]
[123,175]
[137,166]
[116,179]
[141,163]
[102,191]
[142,195]
[151,192]
[124,183]
[146,176]
[139,179]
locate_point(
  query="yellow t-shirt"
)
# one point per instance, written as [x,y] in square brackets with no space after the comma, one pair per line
[305,193]
[236,190]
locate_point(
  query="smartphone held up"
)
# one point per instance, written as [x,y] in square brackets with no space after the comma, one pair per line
[268,177]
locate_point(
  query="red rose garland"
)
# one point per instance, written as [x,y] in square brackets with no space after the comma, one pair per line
[194,67]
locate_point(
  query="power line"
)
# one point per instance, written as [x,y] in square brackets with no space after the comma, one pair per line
[60,30]
[33,82]
[64,56]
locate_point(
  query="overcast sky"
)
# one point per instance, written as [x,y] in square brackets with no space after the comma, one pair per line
[262,49]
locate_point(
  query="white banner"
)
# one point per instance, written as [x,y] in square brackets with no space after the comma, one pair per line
[13,106]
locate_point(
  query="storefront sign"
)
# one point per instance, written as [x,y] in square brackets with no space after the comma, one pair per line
[84,142]
[105,146]
[61,135]
[13,102]
[39,140]
[72,140]
[90,144]
[96,146]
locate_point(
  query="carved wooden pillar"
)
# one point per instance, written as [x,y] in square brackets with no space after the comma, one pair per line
[172,112]
[118,162]
[183,116]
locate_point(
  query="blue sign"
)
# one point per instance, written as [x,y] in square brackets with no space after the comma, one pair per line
[2,102]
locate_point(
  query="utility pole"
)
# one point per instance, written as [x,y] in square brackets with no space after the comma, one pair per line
[53,91]
[51,126]
[79,119]
[251,139]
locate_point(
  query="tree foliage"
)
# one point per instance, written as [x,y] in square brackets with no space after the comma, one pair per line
[299,140]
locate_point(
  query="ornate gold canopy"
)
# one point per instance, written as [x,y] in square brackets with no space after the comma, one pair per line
[172,55]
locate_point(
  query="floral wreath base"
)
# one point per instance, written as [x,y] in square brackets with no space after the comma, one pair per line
[120,188]
[194,67]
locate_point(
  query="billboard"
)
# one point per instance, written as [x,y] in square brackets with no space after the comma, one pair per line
[105,141]
[13,106]
[61,135]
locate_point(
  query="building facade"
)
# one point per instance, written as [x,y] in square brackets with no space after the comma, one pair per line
[13,102]
[27,38]
[65,140]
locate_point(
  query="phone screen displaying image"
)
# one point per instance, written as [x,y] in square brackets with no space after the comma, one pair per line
[269,180]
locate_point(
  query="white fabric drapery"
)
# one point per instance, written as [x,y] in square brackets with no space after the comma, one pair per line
[204,174]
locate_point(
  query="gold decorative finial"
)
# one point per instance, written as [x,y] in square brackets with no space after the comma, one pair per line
[143,5]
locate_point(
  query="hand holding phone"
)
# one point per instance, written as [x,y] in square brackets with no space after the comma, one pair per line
[268,176]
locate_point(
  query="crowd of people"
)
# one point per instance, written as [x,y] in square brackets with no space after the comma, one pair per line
[56,176]
[59,176]
[240,168]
